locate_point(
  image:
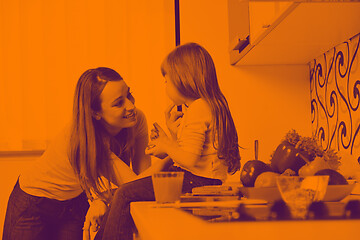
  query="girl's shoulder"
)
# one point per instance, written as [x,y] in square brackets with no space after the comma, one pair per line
[199,103]
[199,109]
[200,106]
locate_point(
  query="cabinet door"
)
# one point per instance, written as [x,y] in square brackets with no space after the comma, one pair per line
[239,28]
[263,15]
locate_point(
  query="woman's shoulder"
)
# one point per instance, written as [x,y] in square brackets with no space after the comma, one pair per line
[141,123]
[140,114]
[141,118]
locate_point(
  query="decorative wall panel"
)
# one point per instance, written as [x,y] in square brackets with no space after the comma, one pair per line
[335,98]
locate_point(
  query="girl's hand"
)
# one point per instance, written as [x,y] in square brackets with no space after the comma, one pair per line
[173,120]
[154,134]
[93,218]
[159,140]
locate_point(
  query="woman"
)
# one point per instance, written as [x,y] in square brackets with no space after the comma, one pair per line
[107,135]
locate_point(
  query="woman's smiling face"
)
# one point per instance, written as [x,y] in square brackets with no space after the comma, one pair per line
[117,107]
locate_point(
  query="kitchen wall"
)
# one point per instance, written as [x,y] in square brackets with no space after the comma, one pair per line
[335,100]
[46,45]
[266,101]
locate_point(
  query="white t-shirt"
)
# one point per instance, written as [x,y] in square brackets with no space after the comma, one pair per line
[194,136]
[52,175]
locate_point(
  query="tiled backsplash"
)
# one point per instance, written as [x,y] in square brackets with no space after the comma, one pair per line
[335,101]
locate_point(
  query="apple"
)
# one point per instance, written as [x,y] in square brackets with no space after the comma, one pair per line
[251,170]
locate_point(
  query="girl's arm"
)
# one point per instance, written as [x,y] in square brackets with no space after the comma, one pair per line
[163,144]
[188,149]
[178,155]
[173,119]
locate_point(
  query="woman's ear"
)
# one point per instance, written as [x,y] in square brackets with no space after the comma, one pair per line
[96,115]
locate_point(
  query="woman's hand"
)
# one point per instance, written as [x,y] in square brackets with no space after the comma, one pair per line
[159,142]
[93,218]
[173,120]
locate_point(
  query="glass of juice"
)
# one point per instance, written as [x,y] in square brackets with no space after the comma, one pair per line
[167,186]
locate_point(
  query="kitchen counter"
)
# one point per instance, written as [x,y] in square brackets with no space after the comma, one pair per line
[168,222]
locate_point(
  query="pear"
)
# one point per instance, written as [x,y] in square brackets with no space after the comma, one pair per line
[312,167]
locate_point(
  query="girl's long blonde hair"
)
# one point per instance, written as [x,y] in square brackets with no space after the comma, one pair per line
[192,71]
[90,143]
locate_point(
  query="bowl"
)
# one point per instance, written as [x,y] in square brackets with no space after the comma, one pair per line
[336,193]
[270,194]
[299,192]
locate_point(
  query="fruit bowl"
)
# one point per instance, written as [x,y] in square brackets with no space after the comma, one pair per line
[270,194]
[336,193]
[333,193]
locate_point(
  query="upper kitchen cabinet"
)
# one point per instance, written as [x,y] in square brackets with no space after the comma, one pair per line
[288,32]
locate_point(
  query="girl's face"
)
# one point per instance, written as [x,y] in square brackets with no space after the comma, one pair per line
[117,107]
[172,92]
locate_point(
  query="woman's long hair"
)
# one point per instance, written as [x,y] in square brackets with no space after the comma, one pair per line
[90,143]
[192,71]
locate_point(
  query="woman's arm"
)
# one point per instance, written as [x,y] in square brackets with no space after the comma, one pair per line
[140,161]
[124,173]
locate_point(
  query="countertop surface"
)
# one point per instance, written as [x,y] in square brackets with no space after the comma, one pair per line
[170,222]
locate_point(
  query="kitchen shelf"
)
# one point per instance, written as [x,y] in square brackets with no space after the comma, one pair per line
[302,32]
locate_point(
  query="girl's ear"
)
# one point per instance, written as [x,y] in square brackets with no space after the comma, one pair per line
[96,115]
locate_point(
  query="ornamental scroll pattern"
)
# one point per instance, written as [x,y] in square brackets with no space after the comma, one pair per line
[335,98]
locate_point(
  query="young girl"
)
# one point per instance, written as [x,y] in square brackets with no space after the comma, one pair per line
[204,143]
[108,133]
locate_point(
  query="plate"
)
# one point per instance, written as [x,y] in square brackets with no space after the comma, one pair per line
[196,198]
[270,194]
[227,204]
[215,190]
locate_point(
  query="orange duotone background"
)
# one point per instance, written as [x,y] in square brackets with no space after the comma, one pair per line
[46,45]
